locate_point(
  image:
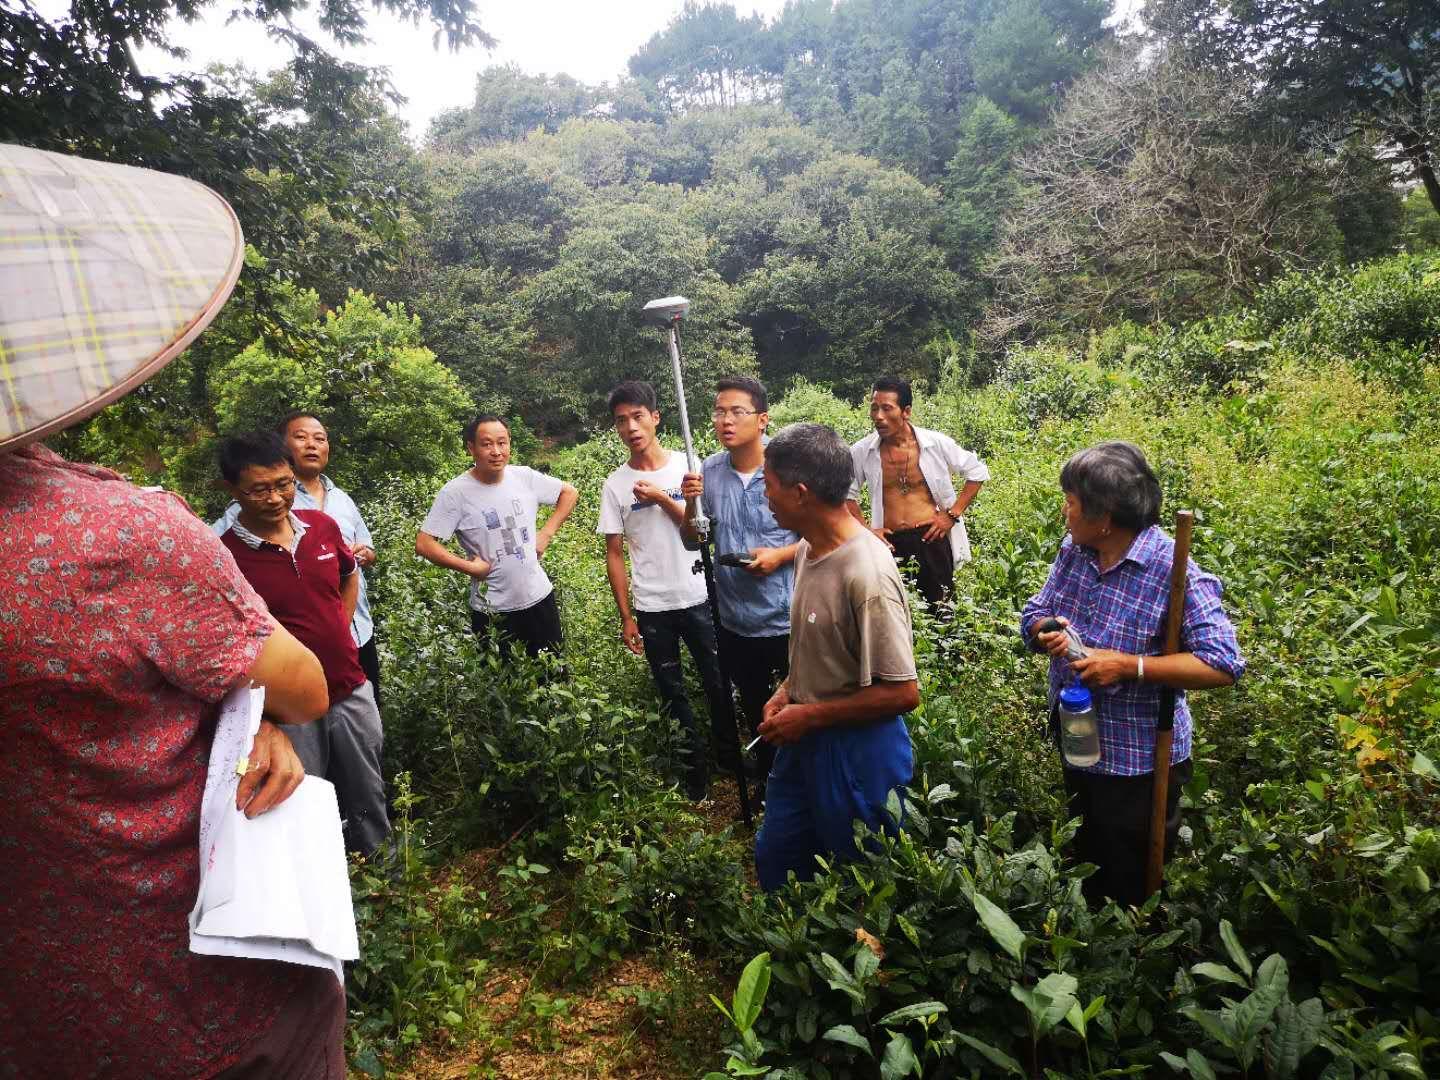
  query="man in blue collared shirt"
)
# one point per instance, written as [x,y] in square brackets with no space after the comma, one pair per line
[754,599]
[309,445]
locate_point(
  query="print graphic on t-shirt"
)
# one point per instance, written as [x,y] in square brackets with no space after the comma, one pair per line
[516,525]
[497,522]
[674,493]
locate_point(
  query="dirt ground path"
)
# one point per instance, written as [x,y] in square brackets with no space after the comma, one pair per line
[646,1018]
[598,1032]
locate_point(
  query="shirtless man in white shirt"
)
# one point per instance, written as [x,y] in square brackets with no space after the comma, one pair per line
[914,506]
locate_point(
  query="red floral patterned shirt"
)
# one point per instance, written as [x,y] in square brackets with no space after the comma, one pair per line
[122,621]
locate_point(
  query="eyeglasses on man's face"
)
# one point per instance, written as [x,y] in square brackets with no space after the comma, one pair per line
[264,491]
[734,412]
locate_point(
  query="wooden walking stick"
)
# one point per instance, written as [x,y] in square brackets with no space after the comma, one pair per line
[1165,722]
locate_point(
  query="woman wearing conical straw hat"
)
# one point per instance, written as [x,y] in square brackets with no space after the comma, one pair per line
[123,621]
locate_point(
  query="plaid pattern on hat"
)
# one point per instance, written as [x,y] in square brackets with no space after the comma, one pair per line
[106,273]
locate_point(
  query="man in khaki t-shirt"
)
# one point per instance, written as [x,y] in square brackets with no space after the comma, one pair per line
[843,745]
[852,624]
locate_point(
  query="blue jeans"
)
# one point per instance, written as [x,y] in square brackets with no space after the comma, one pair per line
[663,632]
[819,787]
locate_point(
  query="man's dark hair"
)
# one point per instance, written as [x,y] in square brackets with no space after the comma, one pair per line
[813,455]
[892,384]
[1114,478]
[633,392]
[744,383]
[254,448]
[468,431]
[283,427]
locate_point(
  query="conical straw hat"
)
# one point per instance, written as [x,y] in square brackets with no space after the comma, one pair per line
[107,273]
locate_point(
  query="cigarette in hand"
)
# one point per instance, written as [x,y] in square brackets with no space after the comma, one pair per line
[753,743]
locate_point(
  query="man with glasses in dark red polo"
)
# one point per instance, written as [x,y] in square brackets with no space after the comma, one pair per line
[300,564]
[309,445]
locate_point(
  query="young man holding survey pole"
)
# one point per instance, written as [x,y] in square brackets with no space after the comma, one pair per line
[755,575]
[642,507]
[837,718]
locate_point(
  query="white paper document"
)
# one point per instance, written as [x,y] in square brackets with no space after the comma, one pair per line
[275,887]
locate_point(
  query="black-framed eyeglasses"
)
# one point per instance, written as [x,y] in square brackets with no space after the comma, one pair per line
[735,412]
[261,491]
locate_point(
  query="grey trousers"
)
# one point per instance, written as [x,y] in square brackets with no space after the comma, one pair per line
[343,746]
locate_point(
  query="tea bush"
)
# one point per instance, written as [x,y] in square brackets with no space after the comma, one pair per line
[1297,934]
[1052,382]
[423,945]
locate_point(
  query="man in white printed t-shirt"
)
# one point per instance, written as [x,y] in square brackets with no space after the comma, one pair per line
[491,509]
[642,505]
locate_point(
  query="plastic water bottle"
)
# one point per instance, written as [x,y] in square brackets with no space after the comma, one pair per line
[1079,727]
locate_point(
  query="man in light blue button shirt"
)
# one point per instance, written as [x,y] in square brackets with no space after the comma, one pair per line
[309,445]
[754,598]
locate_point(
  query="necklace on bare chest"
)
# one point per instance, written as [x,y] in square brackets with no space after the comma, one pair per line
[903,465]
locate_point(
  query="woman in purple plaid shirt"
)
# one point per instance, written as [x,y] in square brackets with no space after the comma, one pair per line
[1111,582]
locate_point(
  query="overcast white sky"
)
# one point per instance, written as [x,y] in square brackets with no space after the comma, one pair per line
[589,39]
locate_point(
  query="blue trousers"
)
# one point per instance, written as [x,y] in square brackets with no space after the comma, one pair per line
[819,787]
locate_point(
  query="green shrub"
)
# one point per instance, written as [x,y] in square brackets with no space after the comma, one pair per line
[422,945]
[806,402]
[1051,382]
[645,871]
[1209,356]
[1116,346]
[966,953]
[1384,317]
[1296,936]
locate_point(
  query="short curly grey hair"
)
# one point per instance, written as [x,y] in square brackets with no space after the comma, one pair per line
[1114,478]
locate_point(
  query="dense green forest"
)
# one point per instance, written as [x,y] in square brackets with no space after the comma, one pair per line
[850,188]
[1214,231]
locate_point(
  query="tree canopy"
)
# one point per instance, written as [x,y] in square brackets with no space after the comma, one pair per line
[1162,189]
[274,348]
[845,189]
[838,173]
[1370,65]
[74,85]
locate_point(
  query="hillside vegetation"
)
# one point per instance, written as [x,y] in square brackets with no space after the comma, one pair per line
[1213,233]
[1298,931]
